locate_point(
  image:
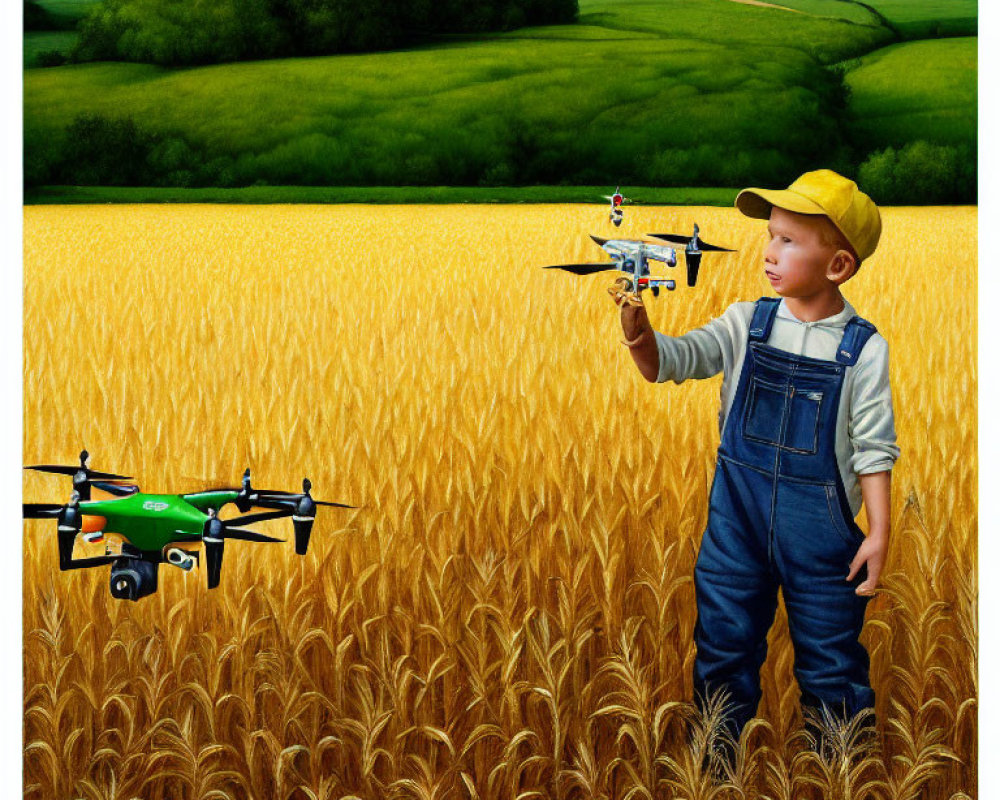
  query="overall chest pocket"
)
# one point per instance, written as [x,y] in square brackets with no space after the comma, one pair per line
[768,405]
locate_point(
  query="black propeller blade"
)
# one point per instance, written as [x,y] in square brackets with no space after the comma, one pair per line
[42,510]
[250,536]
[249,519]
[59,469]
[585,269]
[679,239]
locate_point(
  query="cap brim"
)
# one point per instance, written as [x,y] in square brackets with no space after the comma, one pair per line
[757,203]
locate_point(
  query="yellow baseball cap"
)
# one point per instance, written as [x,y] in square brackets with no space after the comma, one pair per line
[822,192]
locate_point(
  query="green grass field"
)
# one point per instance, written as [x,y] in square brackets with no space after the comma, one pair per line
[653,92]
[591,195]
[459,109]
[930,17]
[913,19]
[936,101]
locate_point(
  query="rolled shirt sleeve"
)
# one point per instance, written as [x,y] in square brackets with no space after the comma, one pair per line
[701,352]
[872,427]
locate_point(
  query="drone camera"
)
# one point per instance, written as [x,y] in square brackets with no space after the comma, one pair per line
[132,578]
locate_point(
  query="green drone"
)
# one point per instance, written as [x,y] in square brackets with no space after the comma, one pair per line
[157,528]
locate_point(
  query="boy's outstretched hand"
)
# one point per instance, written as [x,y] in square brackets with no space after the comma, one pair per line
[639,336]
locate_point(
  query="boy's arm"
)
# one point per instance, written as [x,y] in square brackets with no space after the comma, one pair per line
[699,353]
[873,434]
[875,489]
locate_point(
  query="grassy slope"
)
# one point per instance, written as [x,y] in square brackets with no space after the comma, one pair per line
[936,101]
[930,17]
[913,19]
[67,12]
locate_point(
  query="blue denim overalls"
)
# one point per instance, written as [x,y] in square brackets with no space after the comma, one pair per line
[779,516]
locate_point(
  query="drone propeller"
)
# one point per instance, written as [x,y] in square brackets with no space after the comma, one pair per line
[216,531]
[82,475]
[302,508]
[42,510]
[677,238]
[584,269]
[694,247]
[69,522]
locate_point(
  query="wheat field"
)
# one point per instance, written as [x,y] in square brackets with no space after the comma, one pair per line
[508,613]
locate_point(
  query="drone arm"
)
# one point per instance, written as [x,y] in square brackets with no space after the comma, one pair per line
[86,563]
[116,489]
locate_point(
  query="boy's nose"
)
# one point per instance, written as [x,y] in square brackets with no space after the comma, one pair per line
[769,254]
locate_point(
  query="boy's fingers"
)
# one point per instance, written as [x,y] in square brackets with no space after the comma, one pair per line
[867,589]
[856,564]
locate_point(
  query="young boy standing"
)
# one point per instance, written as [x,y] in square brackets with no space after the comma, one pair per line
[807,436]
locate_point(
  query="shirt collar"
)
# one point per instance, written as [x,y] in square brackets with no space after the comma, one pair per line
[838,320]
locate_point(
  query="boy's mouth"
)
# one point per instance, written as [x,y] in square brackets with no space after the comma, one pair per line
[772,276]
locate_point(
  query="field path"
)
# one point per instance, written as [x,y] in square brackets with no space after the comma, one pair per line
[766,5]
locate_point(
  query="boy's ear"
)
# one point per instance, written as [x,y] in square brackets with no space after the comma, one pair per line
[842,266]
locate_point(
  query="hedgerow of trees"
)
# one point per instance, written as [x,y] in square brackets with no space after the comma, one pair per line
[183,32]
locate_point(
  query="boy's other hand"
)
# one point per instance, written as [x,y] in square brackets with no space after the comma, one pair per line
[871,553]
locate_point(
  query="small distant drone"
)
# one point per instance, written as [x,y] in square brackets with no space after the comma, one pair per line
[154,528]
[616,213]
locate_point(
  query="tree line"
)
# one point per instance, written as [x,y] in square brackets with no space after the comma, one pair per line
[182,32]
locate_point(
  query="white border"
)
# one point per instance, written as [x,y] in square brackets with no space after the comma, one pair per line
[989,383]
[11,659]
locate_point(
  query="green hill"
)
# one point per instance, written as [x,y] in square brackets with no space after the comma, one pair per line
[654,92]
[935,101]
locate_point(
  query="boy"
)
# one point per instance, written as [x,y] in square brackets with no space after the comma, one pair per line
[807,435]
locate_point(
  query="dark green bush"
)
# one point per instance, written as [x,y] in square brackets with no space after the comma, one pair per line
[920,173]
[181,32]
[50,58]
[105,151]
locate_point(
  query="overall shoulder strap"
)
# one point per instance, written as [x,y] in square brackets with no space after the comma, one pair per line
[764,311]
[857,332]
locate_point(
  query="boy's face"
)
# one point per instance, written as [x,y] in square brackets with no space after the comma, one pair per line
[797,257]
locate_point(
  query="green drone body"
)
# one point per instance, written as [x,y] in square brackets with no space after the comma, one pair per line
[153,521]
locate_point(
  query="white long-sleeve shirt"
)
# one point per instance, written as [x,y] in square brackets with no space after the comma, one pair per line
[866,430]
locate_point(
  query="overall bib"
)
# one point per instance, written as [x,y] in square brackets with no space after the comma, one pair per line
[779,517]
